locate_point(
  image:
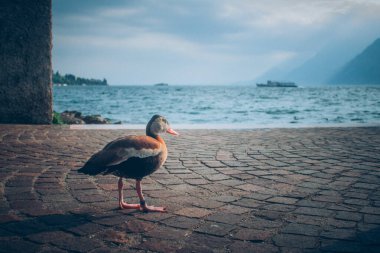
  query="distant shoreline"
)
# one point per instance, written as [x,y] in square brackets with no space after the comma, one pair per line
[72,80]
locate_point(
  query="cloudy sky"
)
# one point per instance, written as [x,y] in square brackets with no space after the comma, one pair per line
[201,41]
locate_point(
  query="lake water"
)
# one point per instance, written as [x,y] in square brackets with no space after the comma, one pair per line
[226,106]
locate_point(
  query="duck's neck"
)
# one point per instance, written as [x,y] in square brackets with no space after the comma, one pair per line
[149,133]
[156,136]
[160,140]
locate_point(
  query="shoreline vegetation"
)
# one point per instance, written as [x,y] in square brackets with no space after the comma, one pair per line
[76,118]
[72,80]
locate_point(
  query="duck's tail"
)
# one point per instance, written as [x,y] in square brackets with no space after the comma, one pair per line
[91,170]
[95,165]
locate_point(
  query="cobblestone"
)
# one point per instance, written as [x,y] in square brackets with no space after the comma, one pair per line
[264,190]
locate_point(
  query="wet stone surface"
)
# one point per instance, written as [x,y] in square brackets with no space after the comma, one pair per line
[277,190]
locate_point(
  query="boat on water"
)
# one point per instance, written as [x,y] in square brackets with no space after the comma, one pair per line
[161,84]
[277,84]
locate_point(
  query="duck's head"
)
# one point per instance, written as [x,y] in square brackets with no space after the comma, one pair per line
[158,125]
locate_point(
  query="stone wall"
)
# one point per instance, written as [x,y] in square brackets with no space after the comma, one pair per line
[25,61]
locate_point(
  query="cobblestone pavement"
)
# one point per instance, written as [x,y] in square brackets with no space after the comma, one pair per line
[278,190]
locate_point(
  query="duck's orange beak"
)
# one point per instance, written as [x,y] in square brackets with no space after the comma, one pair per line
[172,132]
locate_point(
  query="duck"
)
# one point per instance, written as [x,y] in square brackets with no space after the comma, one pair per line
[133,157]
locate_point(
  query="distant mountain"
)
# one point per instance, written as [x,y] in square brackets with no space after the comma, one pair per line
[329,64]
[363,69]
[319,68]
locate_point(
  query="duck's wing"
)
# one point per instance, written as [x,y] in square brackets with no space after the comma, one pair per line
[120,150]
[132,146]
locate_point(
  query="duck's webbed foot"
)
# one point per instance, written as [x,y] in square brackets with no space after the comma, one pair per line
[143,206]
[124,205]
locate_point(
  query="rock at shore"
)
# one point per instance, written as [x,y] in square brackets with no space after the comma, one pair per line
[75,117]
[95,119]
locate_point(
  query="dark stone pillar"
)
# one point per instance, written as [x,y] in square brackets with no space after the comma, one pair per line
[25,61]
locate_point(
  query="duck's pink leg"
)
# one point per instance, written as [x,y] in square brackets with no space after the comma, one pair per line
[143,205]
[122,204]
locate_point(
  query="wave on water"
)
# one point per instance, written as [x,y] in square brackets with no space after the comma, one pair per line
[281,111]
